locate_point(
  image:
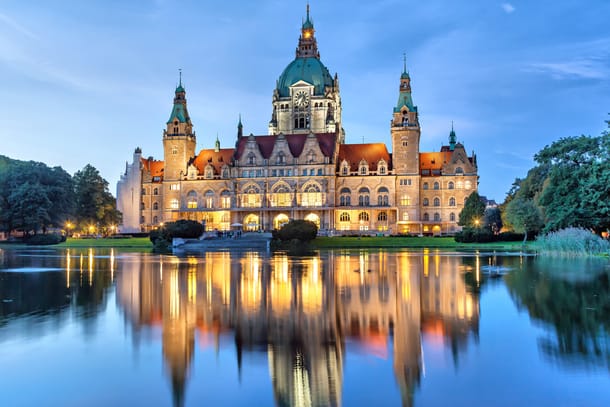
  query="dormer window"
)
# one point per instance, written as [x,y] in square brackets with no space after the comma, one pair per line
[382,167]
[251,159]
[363,168]
[209,172]
[344,168]
[281,158]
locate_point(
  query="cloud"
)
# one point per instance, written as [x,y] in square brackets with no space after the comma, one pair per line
[508,8]
[17,27]
[584,68]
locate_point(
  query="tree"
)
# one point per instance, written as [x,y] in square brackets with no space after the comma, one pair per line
[492,219]
[524,216]
[30,207]
[301,230]
[95,206]
[473,211]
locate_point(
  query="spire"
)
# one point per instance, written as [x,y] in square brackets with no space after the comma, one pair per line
[179,111]
[405,73]
[404,97]
[308,46]
[240,128]
[452,138]
[179,88]
[217,144]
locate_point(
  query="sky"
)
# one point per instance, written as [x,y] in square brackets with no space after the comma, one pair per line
[86,82]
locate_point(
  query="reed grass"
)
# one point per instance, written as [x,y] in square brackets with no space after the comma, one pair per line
[572,242]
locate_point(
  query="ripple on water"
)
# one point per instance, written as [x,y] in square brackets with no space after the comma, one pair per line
[31,270]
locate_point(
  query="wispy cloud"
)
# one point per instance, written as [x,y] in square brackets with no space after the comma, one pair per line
[584,68]
[17,27]
[508,8]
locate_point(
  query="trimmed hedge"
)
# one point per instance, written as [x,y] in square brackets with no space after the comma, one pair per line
[45,239]
[301,230]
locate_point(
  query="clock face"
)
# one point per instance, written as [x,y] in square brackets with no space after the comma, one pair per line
[301,98]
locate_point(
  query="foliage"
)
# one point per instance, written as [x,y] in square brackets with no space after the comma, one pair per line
[161,238]
[95,206]
[474,235]
[523,215]
[45,239]
[572,242]
[301,230]
[492,219]
[33,197]
[473,210]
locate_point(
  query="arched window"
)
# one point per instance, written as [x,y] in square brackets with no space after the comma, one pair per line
[467,184]
[459,170]
[437,202]
[156,206]
[225,199]
[425,185]
[382,217]
[450,185]
[436,185]
[382,168]
[225,172]
[344,217]
[311,196]
[437,217]
[426,217]
[251,198]
[363,216]
[425,202]
[363,197]
[209,199]
[452,201]
[191,200]
[281,196]
[383,197]
[156,191]
[345,198]
[452,217]
[155,219]
[363,168]
[209,172]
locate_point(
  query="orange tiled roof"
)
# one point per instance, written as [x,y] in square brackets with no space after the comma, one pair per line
[434,160]
[154,167]
[370,152]
[216,158]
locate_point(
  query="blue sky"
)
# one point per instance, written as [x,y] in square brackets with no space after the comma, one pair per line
[88,81]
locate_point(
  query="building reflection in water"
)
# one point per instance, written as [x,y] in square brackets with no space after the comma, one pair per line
[301,311]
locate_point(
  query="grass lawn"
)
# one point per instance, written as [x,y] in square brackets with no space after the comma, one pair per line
[133,242]
[414,242]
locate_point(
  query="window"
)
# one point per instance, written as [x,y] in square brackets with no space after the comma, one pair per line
[251,159]
[450,185]
[344,170]
[425,202]
[311,196]
[155,219]
[311,157]
[312,171]
[437,217]
[467,185]
[209,199]
[289,173]
[405,143]
[344,217]
[281,196]
[425,185]
[436,185]
[363,217]
[142,205]
[405,216]
[281,158]
[363,197]
[143,191]
[156,206]
[383,197]
[406,181]
[452,201]
[459,170]
[304,173]
[426,217]
[460,185]
[225,172]
[174,187]
[174,204]
[225,199]
[320,171]
[156,191]
[382,217]
[345,197]
[452,217]
[405,200]
[274,173]
[209,172]
[175,149]
[437,202]
[191,200]
[251,197]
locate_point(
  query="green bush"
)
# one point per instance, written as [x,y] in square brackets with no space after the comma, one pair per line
[45,239]
[474,235]
[509,237]
[301,230]
[188,229]
[573,242]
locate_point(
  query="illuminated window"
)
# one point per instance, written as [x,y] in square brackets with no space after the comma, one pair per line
[225,199]
[311,196]
[405,216]
[459,185]
[174,187]
[405,200]
[467,185]
[281,196]
[344,217]
[363,216]
[209,199]
[174,204]
[251,198]
[191,200]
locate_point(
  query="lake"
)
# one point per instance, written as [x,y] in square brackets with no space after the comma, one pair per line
[102,327]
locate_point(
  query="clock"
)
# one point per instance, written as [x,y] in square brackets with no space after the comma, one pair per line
[301,98]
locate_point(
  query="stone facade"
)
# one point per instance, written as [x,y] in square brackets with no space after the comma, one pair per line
[303,169]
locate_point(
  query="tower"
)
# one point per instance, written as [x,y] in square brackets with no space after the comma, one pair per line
[405,130]
[178,137]
[306,98]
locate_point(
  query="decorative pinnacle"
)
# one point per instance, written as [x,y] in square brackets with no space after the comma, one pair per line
[404,60]
[180,75]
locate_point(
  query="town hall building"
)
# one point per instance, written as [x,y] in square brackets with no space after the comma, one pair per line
[302,169]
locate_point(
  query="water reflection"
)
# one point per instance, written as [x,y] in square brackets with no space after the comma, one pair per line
[573,298]
[302,312]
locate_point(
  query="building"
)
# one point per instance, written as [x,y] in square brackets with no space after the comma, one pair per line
[302,169]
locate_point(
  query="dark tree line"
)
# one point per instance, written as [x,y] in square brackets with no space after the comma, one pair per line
[569,186]
[35,198]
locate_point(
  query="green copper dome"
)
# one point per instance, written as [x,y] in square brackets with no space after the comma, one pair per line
[310,70]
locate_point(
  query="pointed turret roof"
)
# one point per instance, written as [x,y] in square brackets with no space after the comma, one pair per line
[179,111]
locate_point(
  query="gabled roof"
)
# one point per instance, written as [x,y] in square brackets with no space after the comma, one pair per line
[154,167]
[434,160]
[215,158]
[296,143]
[370,152]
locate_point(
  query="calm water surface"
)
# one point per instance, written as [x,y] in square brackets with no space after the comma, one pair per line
[353,328]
